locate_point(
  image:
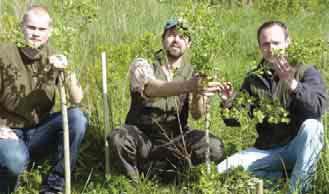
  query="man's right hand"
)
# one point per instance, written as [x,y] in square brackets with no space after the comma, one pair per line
[7,133]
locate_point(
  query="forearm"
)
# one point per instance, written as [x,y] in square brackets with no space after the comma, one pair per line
[74,88]
[309,100]
[159,88]
[310,94]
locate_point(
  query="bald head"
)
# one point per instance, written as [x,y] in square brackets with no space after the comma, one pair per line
[37,26]
[37,10]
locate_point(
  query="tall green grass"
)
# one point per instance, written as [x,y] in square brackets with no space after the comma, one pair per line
[127,29]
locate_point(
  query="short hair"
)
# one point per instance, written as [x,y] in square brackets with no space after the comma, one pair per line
[39,10]
[270,24]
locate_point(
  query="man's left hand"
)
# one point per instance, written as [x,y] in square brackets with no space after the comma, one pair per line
[285,72]
[210,89]
[282,68]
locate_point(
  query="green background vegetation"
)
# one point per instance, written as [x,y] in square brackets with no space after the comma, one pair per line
[225,40]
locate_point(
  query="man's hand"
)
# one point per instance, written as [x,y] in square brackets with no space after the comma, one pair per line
[6,133]
[59,61]
[226,91]
[201,86]
[71,81]
[210,89]
[282,68]
[285,72]
[205,88]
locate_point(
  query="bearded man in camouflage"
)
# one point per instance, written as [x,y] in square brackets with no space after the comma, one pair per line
[156,134]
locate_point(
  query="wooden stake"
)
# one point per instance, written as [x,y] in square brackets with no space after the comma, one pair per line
[106,114]
[259,187]
[65,135]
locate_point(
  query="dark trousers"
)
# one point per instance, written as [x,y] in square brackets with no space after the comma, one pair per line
[132,151]
[35,143]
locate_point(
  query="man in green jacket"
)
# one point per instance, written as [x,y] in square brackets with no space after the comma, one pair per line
[162,94]
[28,129]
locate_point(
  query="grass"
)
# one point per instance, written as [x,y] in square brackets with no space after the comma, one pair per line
[126,29]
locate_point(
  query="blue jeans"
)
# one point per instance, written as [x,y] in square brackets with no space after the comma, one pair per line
[299,156]
[44,140]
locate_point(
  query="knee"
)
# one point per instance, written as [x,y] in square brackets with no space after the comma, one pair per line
[122,141]
[312,129]
[77,121]
[15,161]
[311,134]
[216,149]
[117,138]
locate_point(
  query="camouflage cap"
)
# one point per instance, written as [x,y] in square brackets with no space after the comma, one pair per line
[174,22]
[170,24]
[179,23]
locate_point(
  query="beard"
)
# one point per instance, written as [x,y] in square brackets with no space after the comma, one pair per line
[174,52]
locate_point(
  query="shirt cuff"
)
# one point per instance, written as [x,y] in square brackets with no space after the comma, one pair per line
[141,73]
[293,86]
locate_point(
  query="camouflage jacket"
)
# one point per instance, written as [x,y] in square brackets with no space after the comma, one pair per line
[27,85]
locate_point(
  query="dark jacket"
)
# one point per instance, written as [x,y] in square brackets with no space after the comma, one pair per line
[306,102]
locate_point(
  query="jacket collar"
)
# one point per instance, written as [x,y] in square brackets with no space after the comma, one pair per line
[33,53]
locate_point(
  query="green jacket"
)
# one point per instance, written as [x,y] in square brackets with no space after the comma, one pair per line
[27,85]
[162,117]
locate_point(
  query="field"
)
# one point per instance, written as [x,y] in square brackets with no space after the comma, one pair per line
[131,28]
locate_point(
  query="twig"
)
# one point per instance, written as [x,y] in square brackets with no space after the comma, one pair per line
[186,154]
[207,125]
[88,180]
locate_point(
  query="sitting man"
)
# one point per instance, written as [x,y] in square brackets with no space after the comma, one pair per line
[29,131]
[162,93]
[285,146]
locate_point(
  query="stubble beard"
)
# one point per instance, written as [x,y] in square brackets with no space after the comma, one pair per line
[174,53]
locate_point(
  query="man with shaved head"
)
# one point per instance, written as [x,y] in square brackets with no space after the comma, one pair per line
[29,130]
